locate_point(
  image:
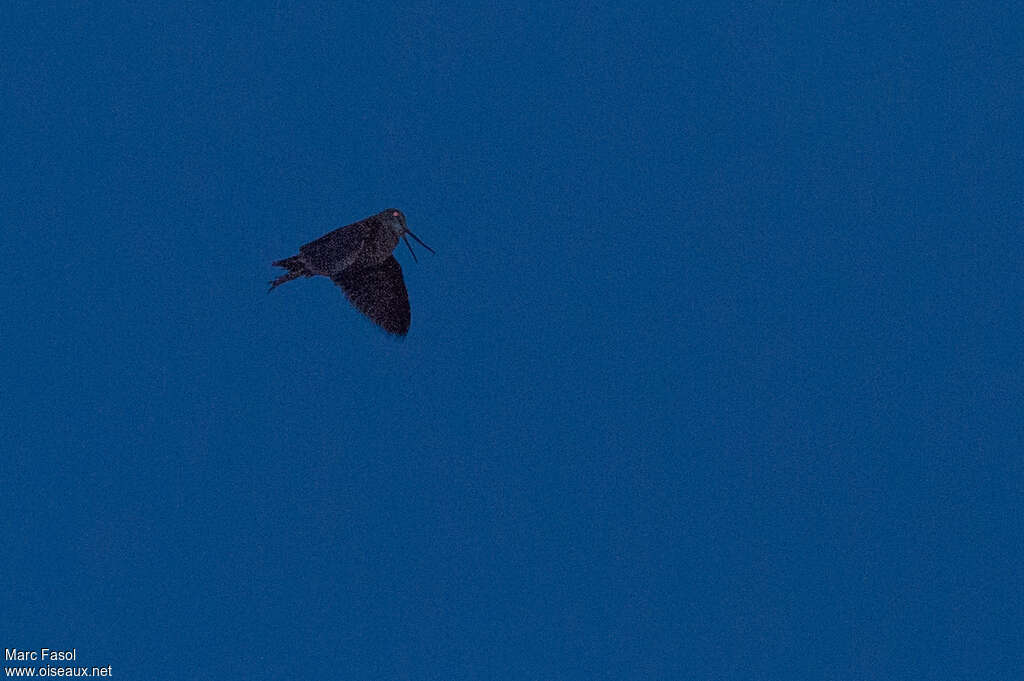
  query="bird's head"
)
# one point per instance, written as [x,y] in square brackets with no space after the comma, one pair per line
[395,220]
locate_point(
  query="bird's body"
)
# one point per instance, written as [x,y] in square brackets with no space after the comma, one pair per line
[365,243]
[358,258]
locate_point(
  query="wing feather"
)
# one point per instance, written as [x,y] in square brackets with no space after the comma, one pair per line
[379,293]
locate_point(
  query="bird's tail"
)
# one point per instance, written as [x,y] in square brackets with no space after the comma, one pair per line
[296,268]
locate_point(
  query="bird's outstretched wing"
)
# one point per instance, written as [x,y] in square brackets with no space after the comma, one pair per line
[379,293]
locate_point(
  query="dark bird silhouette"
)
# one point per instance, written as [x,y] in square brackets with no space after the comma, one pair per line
[359,258]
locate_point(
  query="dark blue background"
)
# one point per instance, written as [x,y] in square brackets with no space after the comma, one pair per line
[716,374]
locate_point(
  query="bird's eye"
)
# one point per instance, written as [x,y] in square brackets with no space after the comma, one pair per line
[395,214]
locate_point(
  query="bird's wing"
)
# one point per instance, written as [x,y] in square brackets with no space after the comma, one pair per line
[379,293]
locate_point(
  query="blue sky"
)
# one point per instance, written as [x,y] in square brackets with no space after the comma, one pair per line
[716,372]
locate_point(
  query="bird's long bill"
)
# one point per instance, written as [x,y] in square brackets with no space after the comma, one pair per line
[418,240]
[409,246]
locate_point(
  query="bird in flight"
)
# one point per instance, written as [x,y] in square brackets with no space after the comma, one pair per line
[359,258]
